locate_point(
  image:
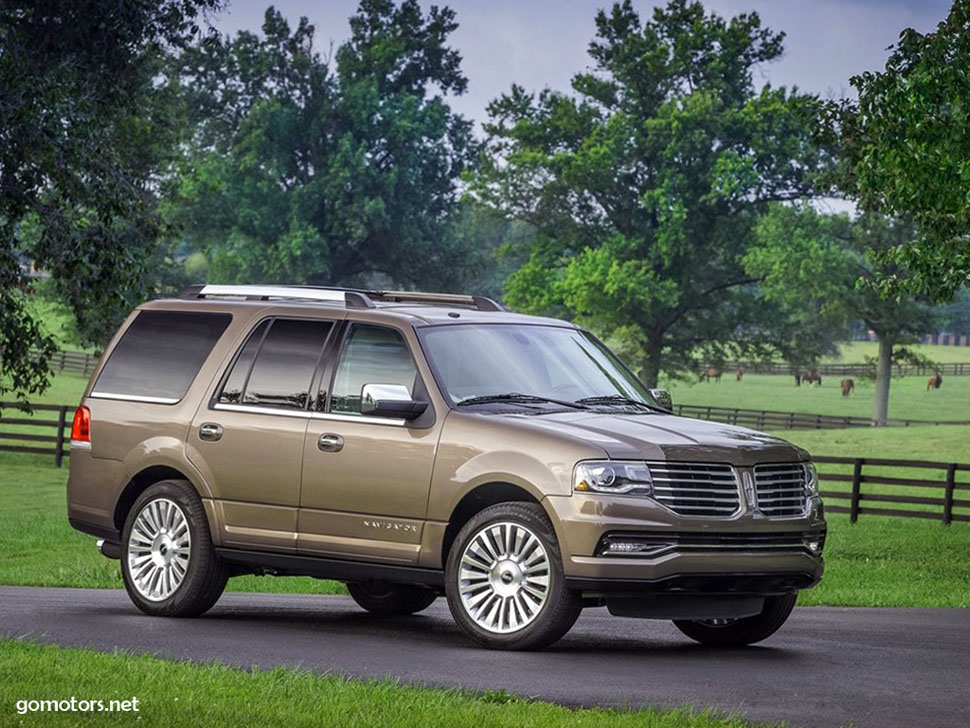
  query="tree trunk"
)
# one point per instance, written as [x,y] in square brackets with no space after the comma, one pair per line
[884,373]
[651,372]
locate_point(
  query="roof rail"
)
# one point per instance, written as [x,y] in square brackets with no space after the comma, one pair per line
[351,297]
[478,302]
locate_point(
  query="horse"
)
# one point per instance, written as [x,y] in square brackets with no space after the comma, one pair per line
[847,386]
[712,373]
[934,382]
[738,374]
[812,376]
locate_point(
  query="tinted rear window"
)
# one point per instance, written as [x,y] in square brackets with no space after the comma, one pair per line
[159,355]
[286,358]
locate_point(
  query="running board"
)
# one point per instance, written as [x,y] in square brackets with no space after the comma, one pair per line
[325,568]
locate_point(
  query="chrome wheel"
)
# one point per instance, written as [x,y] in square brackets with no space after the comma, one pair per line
[503,577]
[159,548]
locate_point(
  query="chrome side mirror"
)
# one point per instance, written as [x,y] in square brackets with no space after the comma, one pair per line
[663,398]
[390,400]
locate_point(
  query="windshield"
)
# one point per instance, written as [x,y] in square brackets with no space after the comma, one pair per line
[553,363]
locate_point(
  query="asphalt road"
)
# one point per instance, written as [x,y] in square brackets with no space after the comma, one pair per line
[826,667]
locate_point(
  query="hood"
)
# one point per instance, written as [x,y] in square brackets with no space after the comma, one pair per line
[666,437]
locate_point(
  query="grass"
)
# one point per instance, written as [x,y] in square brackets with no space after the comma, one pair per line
[39,548]
[179,693]
[946,443]
[57,321]
[854,352]
[877,562]
[908,398]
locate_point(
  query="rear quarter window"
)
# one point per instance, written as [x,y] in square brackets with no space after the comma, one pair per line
[160,354]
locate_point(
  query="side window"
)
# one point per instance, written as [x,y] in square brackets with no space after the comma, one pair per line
[160,354]
[235,383]
[371,355]
[275,369]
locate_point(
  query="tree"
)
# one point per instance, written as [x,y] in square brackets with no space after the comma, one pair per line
[82,125]
[334,170]
[644,184]
[905,150]
[812,265]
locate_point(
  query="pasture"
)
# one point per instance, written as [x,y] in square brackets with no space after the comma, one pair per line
[908,398]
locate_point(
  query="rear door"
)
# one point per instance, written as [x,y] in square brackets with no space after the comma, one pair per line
[248,440]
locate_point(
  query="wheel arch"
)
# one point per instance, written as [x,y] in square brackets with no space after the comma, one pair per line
[140,482]
[480,498]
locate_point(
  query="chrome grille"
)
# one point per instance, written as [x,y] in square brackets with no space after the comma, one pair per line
[696,489]
[781,488]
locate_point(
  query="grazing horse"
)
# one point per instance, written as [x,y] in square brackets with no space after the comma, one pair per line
[712,373]
[934,382]
[812,376]
[847,386]
[738,374]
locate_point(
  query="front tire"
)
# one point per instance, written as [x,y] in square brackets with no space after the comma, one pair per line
[168,563]
[504,579]
[745,631]
[382,598]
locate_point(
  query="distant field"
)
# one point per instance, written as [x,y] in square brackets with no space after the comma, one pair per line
[908,397]
[946,443]
[58,322]
[854,352]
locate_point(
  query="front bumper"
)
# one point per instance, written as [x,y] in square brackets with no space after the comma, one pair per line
[584,522]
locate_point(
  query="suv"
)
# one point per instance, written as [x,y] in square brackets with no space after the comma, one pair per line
[417,445]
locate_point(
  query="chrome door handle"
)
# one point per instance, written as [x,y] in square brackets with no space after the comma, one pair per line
[330,442]
[210,431]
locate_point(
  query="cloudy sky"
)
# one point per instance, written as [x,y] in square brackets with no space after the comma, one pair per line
[539,43]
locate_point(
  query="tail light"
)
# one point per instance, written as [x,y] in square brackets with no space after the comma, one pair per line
[81,426]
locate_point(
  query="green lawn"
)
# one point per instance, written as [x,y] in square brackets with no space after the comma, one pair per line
[945,443]
[878,561]
[908,398]
[57,321]
[854,352]
[178,693]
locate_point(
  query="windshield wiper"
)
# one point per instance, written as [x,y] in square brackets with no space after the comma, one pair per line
[621,400]
[517,397]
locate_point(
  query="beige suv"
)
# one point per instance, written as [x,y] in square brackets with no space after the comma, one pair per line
[417,445]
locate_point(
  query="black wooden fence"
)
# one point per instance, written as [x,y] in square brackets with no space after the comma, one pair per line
[74,362]
[875,483]
[777,420]
[47,433]
[952,369]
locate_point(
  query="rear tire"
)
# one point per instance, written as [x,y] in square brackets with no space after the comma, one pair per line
[745,631]
[508,591]
[383,598]
[168,563]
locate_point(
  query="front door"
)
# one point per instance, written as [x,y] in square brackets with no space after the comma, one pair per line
[248,442]
[366,479]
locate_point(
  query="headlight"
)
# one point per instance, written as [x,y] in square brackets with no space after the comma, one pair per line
[610,476]
[811,479]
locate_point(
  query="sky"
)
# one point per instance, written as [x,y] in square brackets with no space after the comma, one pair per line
[540,43]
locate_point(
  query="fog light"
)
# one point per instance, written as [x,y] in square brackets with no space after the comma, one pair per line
[814,546]
[626,547]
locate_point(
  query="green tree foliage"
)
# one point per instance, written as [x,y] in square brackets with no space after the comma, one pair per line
[83,125]
[907,152]
[644,183]
[328,170]
[811,266]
